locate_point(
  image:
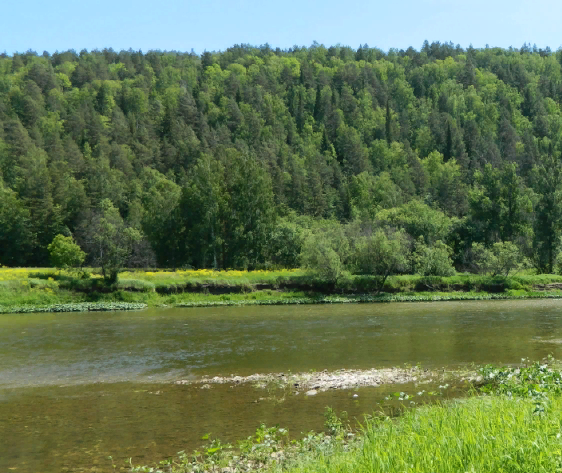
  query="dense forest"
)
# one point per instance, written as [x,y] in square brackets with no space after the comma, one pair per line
[244,158]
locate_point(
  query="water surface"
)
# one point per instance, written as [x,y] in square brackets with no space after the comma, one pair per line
[75,388]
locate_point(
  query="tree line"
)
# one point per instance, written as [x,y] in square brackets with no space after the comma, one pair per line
[258,157]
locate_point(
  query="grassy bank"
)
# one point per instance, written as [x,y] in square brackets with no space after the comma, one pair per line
[28,289]
[484,434]
[517,427]
[511,423]
[478,435]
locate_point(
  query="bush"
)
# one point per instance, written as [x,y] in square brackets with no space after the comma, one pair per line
[432,260]
[382,254]
[285,245]
[419,220]
[501,259]
[326,251]
[65,253]
[320,256]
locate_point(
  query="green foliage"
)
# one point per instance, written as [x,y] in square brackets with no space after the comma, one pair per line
[418,220]
[160,220]
[382,254]
[500,205]
[335,425]
[535,380]
[285,244]
[547,176]
[227,212]
[501,259]
[432,260]
[65,253]
[205,153]
[112,240]
[325,254]
[369,194]
[76,307]
[442,183]
[16,236]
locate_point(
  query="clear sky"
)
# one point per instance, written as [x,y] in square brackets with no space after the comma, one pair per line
[217,24]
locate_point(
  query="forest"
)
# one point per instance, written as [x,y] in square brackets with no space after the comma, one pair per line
[254,157]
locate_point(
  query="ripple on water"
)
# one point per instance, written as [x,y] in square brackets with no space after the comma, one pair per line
[115,366]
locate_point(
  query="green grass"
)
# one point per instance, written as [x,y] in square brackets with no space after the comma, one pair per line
[476,435]
[481,435]
[517,427]
[22,288]
[200,300]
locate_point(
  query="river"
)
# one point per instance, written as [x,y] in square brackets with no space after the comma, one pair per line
[77,388]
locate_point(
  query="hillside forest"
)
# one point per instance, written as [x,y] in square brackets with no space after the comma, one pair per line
[260,158]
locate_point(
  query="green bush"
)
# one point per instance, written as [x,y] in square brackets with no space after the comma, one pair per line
[432,260]
[285,245]
[501,259]
[382,254]
[418,220]
[65,253]
[325,253]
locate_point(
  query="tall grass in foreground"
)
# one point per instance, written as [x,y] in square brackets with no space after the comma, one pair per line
[479,435]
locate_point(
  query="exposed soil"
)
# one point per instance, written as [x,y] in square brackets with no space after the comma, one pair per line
[548,287]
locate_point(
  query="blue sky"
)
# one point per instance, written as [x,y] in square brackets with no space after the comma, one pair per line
[217,24]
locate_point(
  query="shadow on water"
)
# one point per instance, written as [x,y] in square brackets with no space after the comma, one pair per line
[75,388]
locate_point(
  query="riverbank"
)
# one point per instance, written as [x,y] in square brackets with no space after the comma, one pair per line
[35,290]
[510,423]
[478,435]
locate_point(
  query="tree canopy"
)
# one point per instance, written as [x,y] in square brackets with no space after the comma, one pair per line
[211,159]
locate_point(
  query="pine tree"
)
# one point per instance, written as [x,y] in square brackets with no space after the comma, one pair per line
[448,154]
[388,124]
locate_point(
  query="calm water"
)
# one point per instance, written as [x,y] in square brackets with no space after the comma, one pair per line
[75,388]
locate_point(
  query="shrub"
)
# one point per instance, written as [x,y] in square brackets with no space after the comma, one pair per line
[65,253]
[285,245]
[382,254]
[320,256]
[432,260]
[499,260]
[418,220]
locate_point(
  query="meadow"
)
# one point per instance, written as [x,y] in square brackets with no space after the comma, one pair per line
[45,289]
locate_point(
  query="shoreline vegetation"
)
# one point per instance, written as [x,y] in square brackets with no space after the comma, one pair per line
[508,421]
[24,290]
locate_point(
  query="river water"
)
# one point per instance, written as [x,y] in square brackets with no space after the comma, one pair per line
[77,388]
